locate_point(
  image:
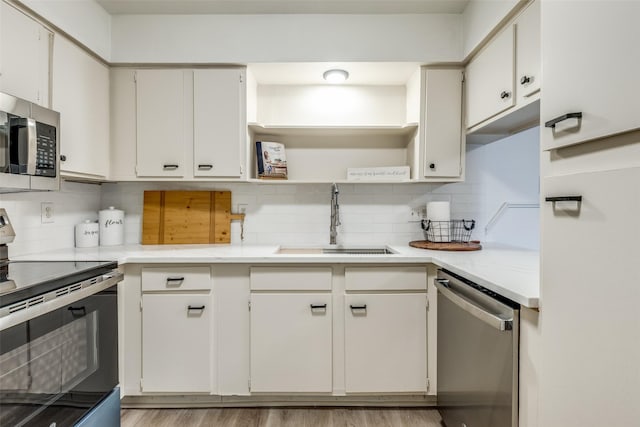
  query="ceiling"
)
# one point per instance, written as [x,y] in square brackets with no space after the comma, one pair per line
[179,7]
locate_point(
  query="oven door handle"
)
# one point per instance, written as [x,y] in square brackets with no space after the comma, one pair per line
[490,319]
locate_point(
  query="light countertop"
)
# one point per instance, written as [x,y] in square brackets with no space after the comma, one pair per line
[511,272]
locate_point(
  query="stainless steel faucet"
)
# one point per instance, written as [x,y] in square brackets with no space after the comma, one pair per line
[335,214]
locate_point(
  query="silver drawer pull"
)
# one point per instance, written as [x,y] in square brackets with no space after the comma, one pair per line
[175,281]
[205,167]
[170,167]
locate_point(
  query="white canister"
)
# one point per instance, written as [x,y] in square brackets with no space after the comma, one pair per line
[439,213]
[87,234]
[111,222]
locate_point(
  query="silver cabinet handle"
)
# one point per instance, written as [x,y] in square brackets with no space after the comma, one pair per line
[488,318]
[205,167]
[175,281]
[170,167]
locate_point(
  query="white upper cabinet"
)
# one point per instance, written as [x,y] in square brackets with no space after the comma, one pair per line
[503,81]
[442,125]
[219,126]
[80,92]
[160,115]
[180,124]
[24,56]
[528,53]
[490,79]
[591,62]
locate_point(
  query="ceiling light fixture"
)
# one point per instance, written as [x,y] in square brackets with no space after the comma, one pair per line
[335,76]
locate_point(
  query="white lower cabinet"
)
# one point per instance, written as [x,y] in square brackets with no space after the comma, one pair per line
[291,342]
[250,330]
[386,343]
[177,330]
[590,293]
[385,329]
[176,343]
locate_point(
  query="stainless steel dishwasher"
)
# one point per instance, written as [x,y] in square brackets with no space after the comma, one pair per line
[478,334]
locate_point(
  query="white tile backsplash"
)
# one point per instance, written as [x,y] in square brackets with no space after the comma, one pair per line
[73,204]
[290,214]
[299,214]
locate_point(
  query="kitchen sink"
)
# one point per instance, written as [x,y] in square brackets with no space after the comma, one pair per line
[335,251]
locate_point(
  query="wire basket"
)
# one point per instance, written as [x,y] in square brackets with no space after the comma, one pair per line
[456,230]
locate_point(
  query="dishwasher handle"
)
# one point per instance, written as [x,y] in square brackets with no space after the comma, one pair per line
[488,318]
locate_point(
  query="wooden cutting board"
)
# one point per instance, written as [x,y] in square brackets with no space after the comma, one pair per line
[187,217]
[448,246]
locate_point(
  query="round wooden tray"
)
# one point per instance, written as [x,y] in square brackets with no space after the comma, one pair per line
[473,245]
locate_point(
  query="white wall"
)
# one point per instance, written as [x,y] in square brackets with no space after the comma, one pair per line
[83,20]
[72,204]
[331,105]
[286,38]
[508,171]
[480,17]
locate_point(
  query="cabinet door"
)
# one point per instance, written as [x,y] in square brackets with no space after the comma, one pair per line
[489,79]
[590,55]
[386,343]
[160,126]
[176,343]
[218,120]
[589,317]
[122,109]
[80,92]
[443,123]
[528,53]
[291,342]
[24,51]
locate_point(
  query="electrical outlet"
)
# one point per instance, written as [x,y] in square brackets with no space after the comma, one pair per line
[417,214]
[46,213]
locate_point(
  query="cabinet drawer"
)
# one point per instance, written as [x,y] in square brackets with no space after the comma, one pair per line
[385,278]
[291,279]
[178,278]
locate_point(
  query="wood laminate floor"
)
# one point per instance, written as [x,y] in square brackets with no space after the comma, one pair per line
[281,417]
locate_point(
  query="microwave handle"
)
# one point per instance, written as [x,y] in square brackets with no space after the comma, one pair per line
[32,152]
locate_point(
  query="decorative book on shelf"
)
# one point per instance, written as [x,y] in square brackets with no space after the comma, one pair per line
[272,160]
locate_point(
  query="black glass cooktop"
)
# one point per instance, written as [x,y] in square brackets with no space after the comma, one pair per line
[20,280]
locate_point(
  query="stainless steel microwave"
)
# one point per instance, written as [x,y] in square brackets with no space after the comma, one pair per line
[29,146]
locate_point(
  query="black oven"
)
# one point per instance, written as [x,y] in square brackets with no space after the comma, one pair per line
[59,346]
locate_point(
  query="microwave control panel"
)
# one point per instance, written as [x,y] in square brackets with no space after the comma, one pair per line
[46,159]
